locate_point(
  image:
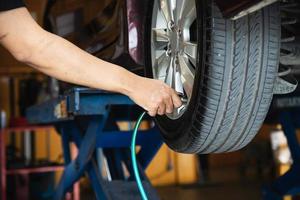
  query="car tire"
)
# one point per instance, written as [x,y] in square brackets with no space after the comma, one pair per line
[237,62]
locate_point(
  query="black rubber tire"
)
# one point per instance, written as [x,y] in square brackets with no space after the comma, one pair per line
[233,87]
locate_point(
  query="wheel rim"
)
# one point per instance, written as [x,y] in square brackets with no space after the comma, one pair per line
[173,49]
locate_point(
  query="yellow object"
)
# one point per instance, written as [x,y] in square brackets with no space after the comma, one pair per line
[169,168]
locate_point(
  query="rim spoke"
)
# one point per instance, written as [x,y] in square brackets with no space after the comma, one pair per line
[178,86]
[163,62]
[187,75]
[161,38]
[166,9]
[179,8]
[190,49]
[160,45]
[185,8]
[160,34]
[169,79]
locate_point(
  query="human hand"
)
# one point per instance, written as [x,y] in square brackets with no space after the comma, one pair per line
[154,96]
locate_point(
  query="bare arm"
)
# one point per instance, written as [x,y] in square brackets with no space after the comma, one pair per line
[57,57]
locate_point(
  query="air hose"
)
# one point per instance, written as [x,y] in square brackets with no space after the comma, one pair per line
[133,158]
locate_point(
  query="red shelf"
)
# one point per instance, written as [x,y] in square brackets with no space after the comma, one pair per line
[35,170]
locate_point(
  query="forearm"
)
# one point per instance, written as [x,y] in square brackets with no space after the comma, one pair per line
[61,59]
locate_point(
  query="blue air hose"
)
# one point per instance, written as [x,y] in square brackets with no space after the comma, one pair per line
[133,157]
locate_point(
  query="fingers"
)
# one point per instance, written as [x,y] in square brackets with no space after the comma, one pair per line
[161,109]
[166,104]
[169,105]
[176,99]
[159,106]
[152,113]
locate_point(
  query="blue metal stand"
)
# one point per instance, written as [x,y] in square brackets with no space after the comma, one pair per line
[88,118]
[289,183]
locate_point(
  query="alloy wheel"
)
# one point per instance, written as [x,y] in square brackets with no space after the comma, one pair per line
[174,47]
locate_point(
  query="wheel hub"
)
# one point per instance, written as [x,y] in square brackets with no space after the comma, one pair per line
[175,44]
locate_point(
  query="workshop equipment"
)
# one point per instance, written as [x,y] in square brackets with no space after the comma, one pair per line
[88,118]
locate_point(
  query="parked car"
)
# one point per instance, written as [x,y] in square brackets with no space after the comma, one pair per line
[222,58]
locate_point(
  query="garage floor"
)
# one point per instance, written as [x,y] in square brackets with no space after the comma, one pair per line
[224,183]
